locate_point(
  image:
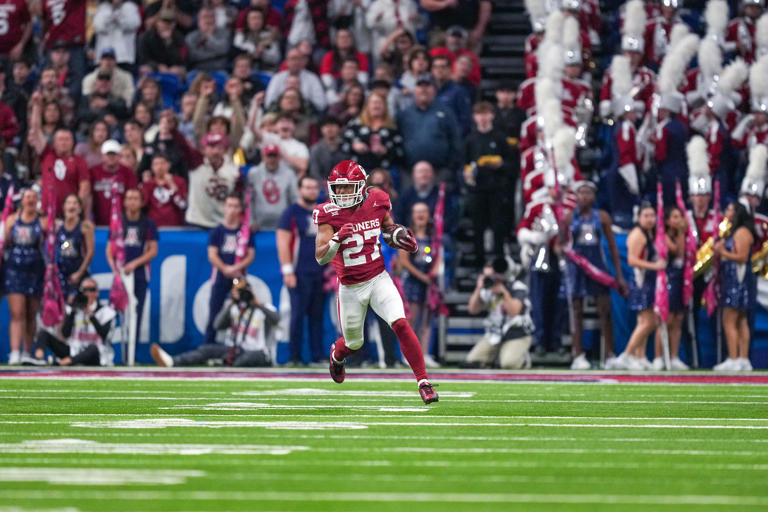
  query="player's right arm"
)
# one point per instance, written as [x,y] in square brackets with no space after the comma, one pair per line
[327,242]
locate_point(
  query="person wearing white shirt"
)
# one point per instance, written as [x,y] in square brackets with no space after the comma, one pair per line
[115,24]
[211,182]
[310,84]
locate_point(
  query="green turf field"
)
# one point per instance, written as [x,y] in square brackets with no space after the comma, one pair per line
[309,445]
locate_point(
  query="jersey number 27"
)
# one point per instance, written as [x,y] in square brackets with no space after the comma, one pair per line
[351,254]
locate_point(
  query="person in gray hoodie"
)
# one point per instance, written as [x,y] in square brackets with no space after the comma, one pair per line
[274,186]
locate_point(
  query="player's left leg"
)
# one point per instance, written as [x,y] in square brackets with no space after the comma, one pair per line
[387,303]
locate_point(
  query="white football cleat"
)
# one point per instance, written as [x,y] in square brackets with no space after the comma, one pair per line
[678,365]
[657,364]
[580,362]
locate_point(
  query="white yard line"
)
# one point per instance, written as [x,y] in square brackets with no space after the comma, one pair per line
[96,476]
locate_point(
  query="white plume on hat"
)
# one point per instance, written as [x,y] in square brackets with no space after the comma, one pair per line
[716,16]
[635,18]
[564,146]
[544,90]
[678,32]
[699,181]
[758,159]
[761,35]
[710,58]
[621,76]
[733,76]
[537,10]
[676,62]
[552,64]
[552,117]
[758,77]
[554,27]
[571,34]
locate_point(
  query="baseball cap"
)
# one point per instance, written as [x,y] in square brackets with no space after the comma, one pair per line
[271,149]
[425,78]
[107,52]
[167,15]
[211,139]
[59,44]
[110,146]
[457,30]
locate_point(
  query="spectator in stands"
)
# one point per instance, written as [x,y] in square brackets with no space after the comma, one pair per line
[419,62]
[343,49]
[232,107]
[208,46]
[23,271]
[386,17]
[249,323]
[180,12]
[489,178]
[133,134]
[150,95]
[461,74]
[272,17]
[450,94]
[140,239]
[310,85]
[102,104]
[291,104]
[50,121]
[187,121]
[456,42]
[294,152]
[307,20]
[327,151]
[14,39]
[274,186]
[86,332]
[121,80]
[382,179]
[74,246]
[348,77]
[13,95]
[21,76]
[350,105]
[51,92]
[258,41]
[508,116]
[66,23]
[143,115]
[372,139]
[351,15]
[59,61]
[211,183]
[162,47]
[395,49]
[62,170]
[424,190]
[9,125]
[165,194]
[104,175]
[128,158]
[173,145]
[242,68]
[115,25]
[225,14]
[419,274]
[508,325]
[430,132]
[302,275]
[471,16]
[222,250]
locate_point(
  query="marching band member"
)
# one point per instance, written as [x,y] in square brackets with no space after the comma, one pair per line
[752,190]
[738,287]
[700,82]
[641,78]
[573,10]
[675,231]
[753,128]
[741,31]
[641,254]
[658,31]
[588,226]
[623,181]
[537,13]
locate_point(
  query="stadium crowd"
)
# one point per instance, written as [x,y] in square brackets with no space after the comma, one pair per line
[175,110]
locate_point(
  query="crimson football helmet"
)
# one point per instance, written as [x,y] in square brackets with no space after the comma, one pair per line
[347,172]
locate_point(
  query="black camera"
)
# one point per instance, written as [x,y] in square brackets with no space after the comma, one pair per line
[488,282]
[80,301]
[245,297]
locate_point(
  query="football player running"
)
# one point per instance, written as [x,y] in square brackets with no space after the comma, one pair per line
[348,229]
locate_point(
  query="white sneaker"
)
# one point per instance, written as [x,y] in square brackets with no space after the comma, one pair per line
[646,364]
[612,363]
[621,362]
[160,356]
[14,357]
[744,364]
[657,364]
[580,362]
[678,365]
[633,363]
[429,362]
[729,365]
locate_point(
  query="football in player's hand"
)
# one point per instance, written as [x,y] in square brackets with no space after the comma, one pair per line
[398,236]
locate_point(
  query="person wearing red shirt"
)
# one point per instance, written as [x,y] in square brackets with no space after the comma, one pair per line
[65,22]
[272,19]
[455,45]
[110,170]
[165,195]
[9,125]
[344,48]
[62,171]
[15,27]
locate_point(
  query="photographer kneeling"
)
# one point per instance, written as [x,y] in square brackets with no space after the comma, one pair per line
[249,322]
[508,325]
[86,331]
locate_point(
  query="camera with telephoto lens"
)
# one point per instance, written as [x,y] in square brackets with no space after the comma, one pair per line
[488,282]
[245,297]
[80,301]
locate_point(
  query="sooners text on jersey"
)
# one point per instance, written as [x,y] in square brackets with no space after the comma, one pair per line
[359,256]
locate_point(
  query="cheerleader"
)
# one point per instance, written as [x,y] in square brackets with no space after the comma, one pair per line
[588,227]
[417,279]
[74,246]
[24,272]
[641,254]
[675,227]
[738,287]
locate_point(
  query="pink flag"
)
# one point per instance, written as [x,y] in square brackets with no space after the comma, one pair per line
[712,291]
[7,210]
[245,229]
[590,270]
[435,300]
[690,251]
[117,295]
[53,298]
[661,298]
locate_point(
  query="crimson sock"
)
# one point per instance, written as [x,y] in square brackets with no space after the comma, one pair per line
[340,350]
[410,347]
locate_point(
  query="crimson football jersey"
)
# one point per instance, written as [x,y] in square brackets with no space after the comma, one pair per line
[14,16]
[359,256]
